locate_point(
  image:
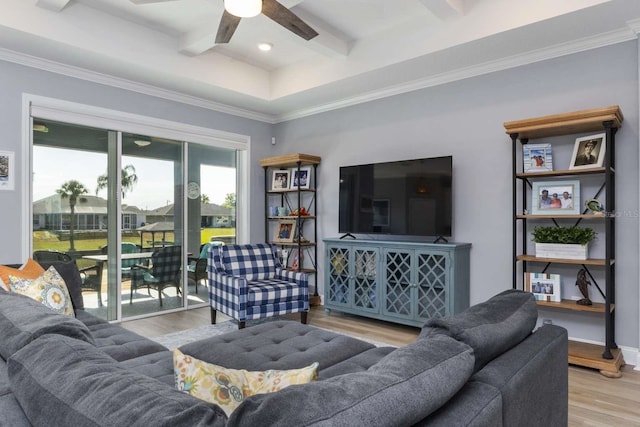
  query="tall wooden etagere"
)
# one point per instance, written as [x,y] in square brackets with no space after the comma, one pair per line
[608,358]
[293,199]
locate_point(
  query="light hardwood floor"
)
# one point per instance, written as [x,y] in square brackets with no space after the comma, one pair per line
[594,400]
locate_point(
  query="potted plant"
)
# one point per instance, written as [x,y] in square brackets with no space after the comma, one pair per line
[562,242]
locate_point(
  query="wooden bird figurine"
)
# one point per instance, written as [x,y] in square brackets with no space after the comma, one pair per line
[583,285]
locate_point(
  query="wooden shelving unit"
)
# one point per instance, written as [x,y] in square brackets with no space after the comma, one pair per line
[608,358]
[295,198]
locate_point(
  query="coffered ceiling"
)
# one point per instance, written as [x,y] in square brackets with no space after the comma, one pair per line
[366,49]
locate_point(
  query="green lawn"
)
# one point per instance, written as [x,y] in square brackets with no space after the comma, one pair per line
[49,240]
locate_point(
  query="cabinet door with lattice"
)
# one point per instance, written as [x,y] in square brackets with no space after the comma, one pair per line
[365,279]
[399,283]
[432,279]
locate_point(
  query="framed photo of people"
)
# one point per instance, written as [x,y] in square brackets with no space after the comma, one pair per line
[555,198]
[280,180]
[589,152]
[7,170]
[285,231]
[300,178]
[543,286]
[537,158]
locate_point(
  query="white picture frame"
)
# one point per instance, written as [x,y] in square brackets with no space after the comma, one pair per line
[280,180]
[537,158]
[300,178]
[589,152]
[544,286]
[7,170]
[555,198]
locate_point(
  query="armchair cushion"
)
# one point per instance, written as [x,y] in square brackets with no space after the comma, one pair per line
[273,291]
[253,262]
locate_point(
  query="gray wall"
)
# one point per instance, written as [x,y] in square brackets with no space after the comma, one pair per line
[465,119]
[16,80]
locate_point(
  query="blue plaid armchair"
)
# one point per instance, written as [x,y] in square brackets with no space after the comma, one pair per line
[247,282]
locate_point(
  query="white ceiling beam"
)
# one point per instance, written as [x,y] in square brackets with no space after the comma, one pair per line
[198,41]
[148,1]
[329,41]
[53,5]
[446,10]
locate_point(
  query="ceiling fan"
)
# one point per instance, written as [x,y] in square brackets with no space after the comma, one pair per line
[234,10]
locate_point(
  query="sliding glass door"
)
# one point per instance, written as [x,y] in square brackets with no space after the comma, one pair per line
[135,212]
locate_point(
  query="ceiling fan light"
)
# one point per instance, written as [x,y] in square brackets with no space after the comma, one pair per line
[142,142]
[243,8]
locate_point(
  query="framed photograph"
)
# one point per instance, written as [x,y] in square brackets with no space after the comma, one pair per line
[543,286]
[300,178]
[588,152]
[555,198]
[381,213]
[280,180]
[7,170]
[537,158]
[285,231]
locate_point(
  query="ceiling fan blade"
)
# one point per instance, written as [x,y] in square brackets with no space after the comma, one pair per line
[288,19]
[227,27]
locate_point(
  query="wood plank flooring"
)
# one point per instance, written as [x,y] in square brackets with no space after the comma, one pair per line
[594,401]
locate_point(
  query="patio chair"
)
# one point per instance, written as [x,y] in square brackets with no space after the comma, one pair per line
[163,272]
[248,282]
[126,264]
[197,268]
[91,277]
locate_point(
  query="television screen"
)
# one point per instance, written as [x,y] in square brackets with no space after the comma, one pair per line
[408,198]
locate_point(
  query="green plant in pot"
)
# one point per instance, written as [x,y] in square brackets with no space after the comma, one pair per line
[562,242]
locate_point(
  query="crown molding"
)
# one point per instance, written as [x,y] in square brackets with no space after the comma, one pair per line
[563,49]
[606,39]
[145,89]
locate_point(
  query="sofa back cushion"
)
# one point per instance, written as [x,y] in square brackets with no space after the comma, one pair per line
[401,389]
[23,319]
[491,327]
[60,381]
[253,262]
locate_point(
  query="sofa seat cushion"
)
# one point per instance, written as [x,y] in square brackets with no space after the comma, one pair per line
[281,344]
[23,319]
[491,327]
[60,381]
[253,261]
[116,341]
[401,389]
[157,365]
[273,291]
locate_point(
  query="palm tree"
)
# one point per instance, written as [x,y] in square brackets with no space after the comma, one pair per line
[229,201]
[128,178]
[205,199]
[73,190]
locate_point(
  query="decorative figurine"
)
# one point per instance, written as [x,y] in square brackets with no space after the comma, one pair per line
[583,285]
[594,206]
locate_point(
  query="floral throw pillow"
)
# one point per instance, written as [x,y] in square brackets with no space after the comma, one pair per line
[48,288]
[29,270]
[229,387]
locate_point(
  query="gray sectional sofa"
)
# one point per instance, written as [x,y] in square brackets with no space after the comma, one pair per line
[483,367]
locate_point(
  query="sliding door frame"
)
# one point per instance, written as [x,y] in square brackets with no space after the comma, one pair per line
[113,120]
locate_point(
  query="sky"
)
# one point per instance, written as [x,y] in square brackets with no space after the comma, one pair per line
[52,167]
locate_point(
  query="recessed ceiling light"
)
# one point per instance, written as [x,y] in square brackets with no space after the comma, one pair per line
[142,142]
[264,46]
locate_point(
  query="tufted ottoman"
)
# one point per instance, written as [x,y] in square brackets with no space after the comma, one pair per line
[287,344]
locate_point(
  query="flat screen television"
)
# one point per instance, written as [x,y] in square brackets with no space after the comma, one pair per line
[401,198]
